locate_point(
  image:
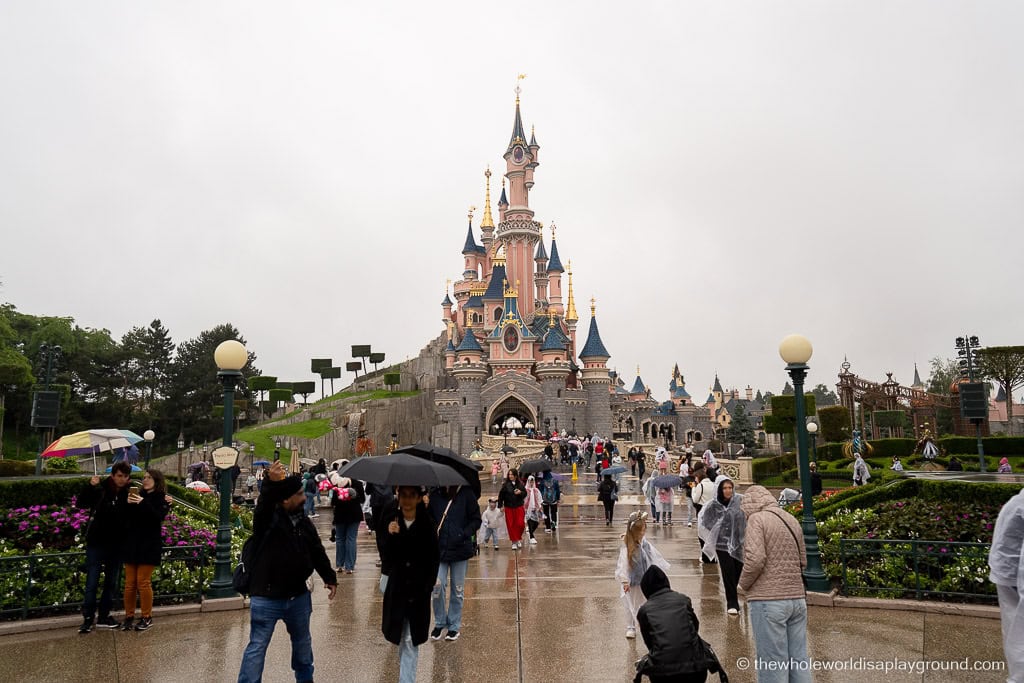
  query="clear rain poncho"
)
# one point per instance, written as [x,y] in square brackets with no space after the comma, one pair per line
[721,526]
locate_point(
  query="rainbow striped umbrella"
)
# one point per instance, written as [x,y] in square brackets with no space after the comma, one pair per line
[86,443]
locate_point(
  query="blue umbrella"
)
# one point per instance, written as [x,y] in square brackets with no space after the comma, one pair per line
[129,455]
[614,469]
[132,437]
[135,468]
[264,463]
[667,481]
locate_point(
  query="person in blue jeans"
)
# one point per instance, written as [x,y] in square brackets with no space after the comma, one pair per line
[287,551]
[774,557]
[348,514]
[409,560]
[458,518]
[107,501]
[309,486]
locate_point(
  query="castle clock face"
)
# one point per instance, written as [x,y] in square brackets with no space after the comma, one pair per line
[511,338]
[517,154]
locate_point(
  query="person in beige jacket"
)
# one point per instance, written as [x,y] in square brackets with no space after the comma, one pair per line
[774,557]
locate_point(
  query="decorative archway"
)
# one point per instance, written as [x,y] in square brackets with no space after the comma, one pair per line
[510,406]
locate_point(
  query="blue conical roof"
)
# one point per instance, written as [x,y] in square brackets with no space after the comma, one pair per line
[552,341]
[496,287]
[450,347]
[594,348]
[718,385]
[638,386]
[447,300]
[471,247]
[503,200]
[518,132]
[541,252]
[469,342]
[555,263]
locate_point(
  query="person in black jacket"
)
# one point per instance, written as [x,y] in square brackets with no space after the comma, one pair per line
[510,499]
[143,546]
[410,560]
[458,516]
[669,628]
[347,516]
[288,550]
[607,492]
[380,497]
[106,500]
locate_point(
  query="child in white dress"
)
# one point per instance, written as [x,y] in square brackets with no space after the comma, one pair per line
[635,557]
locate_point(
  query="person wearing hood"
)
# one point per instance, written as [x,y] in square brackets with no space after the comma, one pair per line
[670,630]
[861,472]
[774,558]
[458,518]
[1006,565]
[651,496]
[1004,467]
[608,493]
[534,508]
[721,525]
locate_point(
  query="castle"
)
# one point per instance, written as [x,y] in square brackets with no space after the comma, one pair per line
[512,335]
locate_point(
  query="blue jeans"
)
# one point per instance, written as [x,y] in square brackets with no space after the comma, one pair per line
[345,550]
[263,616]
[780,635]
[490,534]
[654,512]
[450,618]
[99,559]
[310,505]
[408,656]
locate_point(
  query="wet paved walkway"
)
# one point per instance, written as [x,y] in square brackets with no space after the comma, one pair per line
[548,613]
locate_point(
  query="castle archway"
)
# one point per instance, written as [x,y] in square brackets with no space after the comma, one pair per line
[510,406]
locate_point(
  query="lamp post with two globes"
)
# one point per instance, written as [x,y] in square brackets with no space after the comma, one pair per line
[230,357]
[796,350]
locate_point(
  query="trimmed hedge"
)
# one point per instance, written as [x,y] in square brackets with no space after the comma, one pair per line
[860,497]
[761,468]
[23,493]
[17,468]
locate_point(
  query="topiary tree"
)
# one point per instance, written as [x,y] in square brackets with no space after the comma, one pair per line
[304,389]
[392,380]
[354,366]
[783,417]
[376,359]
[331,374]
[835,423]
[262,384]
[317,366]
[279,395]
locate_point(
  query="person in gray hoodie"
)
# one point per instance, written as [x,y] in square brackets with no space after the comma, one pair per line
[773,560]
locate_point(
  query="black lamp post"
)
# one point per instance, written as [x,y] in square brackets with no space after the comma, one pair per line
[47,355]
[796,350]
[149,435]
[230,357]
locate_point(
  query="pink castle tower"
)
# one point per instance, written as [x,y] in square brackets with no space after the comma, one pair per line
[517,229]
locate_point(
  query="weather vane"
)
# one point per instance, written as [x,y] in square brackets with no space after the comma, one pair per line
[518,89]
[471,210]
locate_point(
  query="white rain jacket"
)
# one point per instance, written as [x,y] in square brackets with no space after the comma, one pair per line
[1004,558]
[721,527]
[645,557]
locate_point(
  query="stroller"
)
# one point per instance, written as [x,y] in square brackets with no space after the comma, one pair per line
[788,497]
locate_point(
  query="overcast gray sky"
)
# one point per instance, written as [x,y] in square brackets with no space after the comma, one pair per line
[722,174]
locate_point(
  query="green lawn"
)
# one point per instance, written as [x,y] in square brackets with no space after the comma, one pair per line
[263,437]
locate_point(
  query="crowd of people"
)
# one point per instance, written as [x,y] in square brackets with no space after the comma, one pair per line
[425,540]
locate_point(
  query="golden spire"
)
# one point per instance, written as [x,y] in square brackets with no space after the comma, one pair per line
[570,311]
[637,370]
[552,231]
[593,306]
[487,221]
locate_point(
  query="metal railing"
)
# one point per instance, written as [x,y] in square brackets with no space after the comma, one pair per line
[929,569]
[54,583]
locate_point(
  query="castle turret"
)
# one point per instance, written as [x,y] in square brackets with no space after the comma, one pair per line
[553,371]
[446,308]
[472,252]
[918,384]
[595,378]
[502,203]
[487,223]
[554,273]
[541,276]
[469,372]
[571,317]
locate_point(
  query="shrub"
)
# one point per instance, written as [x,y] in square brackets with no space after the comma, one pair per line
[762,468]
[835,423]
[17,468]
[62,465]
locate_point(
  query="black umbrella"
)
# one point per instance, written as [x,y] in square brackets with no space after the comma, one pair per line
[535,466]
[446,456]
[402,469]
[509,449]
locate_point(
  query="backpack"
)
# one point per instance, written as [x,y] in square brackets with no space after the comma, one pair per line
[549,494]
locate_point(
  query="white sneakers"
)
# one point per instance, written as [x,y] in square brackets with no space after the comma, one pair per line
[631,632]
[533,541]
[733,611]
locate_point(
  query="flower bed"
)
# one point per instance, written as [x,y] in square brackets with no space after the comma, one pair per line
[46,542]
[899,568]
